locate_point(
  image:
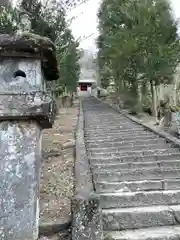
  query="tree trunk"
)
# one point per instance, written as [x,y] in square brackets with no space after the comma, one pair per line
[153,94]
[156,102]
[135,91]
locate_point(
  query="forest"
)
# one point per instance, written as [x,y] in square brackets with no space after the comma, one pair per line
[138,51]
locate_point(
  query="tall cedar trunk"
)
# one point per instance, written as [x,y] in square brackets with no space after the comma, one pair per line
[154,110]
[135,91]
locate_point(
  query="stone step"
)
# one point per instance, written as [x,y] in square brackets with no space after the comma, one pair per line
[114,127]
[122,127]
[137,199]
[140,217]
[133,153]
[120,130]
[129,147]
[111,125]
[108,120]
[122,134]
[105,128]
[137,175]
[111,121]
[133,186]
[134,165]
[125,142]
[154,233]
[129,159]
[107,139]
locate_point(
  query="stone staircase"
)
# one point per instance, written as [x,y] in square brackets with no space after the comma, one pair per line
[136,173]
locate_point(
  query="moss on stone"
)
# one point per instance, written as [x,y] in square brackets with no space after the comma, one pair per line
[31,45]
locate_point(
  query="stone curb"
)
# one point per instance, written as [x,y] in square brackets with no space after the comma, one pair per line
[86,212]
[161,133]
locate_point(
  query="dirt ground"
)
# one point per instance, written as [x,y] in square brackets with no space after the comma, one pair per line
[56,187]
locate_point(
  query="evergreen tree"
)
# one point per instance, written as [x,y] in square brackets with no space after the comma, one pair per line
[137,38]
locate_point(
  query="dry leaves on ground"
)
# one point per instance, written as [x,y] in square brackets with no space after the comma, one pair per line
[56,188]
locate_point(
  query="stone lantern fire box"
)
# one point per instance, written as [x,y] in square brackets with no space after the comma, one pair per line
[27,61]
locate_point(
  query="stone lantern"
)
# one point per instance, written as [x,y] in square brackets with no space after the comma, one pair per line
[27,61]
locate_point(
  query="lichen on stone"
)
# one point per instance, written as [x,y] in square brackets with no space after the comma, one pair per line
[27,44]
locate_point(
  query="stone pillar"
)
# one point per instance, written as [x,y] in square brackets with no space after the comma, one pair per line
[25,109]
[20,154]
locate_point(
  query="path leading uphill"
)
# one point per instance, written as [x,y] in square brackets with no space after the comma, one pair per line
[136,173]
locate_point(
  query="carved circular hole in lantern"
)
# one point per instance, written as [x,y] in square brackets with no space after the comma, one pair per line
[19,73]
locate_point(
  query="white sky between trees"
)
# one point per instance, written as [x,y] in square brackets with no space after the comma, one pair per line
[86,23]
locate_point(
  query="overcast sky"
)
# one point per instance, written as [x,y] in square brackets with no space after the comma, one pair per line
[176,7]
[86,23]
